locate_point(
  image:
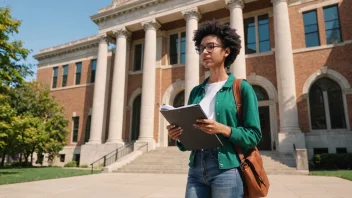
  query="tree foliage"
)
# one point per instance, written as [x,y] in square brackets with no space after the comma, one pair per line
[30,118]
[40,122]
[12,71]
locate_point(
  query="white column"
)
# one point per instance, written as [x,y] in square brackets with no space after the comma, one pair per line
[238,68]
[148,87]
[192,17]
[290,132]
[118,88]
[97,123]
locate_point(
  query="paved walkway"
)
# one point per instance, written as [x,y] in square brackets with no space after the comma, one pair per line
[167,186]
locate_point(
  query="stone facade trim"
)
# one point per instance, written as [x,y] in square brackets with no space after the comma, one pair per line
[319,5]
[323,72]
[70,47]
[322,47]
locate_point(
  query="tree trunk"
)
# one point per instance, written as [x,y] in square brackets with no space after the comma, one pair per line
[20,157]
[32,158]
[3,158]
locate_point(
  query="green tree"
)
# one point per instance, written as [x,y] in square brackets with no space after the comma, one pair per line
[6,133]
[12,71]
[40,121]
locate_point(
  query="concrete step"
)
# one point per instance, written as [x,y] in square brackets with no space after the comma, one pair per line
[171,160]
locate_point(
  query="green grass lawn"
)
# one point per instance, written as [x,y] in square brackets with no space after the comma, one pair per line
[18,175]
[345,174]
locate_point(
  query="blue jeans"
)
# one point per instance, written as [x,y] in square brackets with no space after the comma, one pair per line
[206,180]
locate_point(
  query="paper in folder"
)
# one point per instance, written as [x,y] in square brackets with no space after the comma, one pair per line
[191,137]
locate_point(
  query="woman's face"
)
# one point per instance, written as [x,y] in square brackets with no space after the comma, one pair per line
[212,54]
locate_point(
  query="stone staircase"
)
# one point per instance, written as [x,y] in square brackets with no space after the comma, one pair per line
[171,160]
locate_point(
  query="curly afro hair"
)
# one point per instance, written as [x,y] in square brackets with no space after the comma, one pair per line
[228,36]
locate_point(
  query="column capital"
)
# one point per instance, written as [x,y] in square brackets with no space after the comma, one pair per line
[192,13]
[234,4]
[151,25]
[103,38]
[278,1]
[121,33]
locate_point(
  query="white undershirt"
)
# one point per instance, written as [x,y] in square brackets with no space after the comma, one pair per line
[208,102]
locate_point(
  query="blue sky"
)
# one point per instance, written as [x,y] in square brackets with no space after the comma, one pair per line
[47,23]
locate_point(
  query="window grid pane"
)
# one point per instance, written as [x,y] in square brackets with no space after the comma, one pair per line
[264,33]
[75,129]
[250,36]
[317,108]
[64,76]
[137,57]
[54,82]
[56,73]
[78,78]
[173,49]
[183,48]
[311,28]
[87,134]
[332,25]
[337,112]
[78,73]
[94,67]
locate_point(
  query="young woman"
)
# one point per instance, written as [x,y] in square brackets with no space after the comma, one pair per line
[215,172]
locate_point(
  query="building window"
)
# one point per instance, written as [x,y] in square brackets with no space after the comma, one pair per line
[75,128]
[257,34]
[318,151]
[62,157]
[64,75]
[332,25]
[87,134]
[136,114]
[138,57]
[94,68]
[177,48]
[55,75]
[261,93]
[311,30]
[78,73]
[341,150]
[326,105]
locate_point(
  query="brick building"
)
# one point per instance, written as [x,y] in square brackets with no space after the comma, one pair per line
[296,54]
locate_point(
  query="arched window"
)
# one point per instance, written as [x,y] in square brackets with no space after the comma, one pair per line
[261,93]
[179,99]
[136,114]
[326,105]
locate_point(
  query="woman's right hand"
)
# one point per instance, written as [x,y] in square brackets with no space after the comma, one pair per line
[174,132]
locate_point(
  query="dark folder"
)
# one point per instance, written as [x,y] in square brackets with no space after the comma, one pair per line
[191,138]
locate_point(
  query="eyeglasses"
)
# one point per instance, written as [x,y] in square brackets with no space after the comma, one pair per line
[209,47]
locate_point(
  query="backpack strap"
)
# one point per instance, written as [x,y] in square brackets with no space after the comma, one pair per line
[238,98]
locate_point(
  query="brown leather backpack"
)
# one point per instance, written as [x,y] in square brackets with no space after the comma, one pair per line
[255,180]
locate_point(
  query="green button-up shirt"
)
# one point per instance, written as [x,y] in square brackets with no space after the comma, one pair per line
[246,136]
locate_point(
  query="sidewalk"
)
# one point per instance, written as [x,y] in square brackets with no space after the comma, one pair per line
[167,185]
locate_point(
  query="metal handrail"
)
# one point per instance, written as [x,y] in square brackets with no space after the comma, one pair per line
[115,155]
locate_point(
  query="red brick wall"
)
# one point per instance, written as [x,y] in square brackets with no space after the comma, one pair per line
[305,64]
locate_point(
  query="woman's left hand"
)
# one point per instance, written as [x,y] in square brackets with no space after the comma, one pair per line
[213,127]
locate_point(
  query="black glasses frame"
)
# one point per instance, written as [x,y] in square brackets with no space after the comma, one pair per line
[209,47]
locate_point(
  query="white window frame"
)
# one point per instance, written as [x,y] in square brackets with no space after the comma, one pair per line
[178,31]
[256,24]
[137,42]
[327,111]
[80,81]
[57,77]
[72,128]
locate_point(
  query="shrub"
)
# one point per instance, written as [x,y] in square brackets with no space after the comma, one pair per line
[84,166]
[71,164]
[333,161]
